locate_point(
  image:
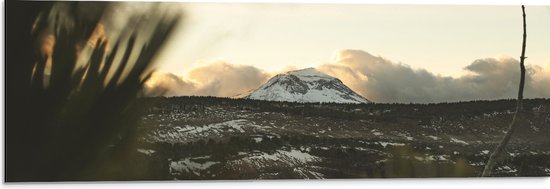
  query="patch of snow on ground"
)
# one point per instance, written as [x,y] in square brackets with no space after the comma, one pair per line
[437,158]
[477,164]
[190,166]
[432,158]
[406,136]
[458,141]
[376,132]
[292,157]
[433,137]
[298,155]
[241,153]
[507,169]
[381,161]
[236,124]
[384,144]
[305,173]
[257,139]
[298,160]
[146,151]
[513,154]
[183,133]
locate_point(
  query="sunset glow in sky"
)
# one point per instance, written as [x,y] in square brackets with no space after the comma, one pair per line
[440,38]
[386,53]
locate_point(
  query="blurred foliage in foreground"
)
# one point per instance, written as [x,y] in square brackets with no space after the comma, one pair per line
[66,121]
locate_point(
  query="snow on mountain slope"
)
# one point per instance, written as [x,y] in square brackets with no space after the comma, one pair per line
[306,85]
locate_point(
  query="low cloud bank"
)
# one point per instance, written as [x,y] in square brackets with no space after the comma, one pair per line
[384,81]
[374,77]
[216,78]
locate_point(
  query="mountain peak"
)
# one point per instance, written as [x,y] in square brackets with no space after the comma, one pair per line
[306,85]
[308,72]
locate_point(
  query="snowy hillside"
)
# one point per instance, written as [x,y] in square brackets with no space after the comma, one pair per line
[197,138]
[306,85]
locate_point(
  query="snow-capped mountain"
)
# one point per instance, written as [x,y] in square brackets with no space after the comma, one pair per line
[306,85]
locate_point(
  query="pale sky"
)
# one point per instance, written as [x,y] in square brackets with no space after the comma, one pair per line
[440,38]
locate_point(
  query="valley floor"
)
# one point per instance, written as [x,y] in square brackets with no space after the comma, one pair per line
[213,138]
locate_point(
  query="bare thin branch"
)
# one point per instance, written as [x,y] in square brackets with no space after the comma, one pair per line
[497,154]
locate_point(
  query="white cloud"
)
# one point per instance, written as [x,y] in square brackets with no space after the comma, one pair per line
[215,78]
[381,80]
[374,77]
